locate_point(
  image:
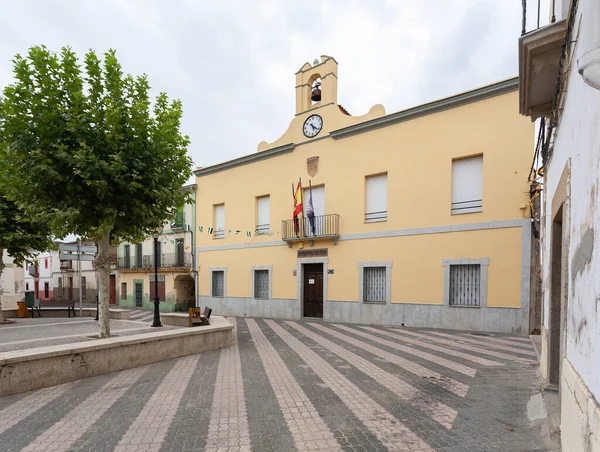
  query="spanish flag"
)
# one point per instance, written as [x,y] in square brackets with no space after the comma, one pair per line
[298,207]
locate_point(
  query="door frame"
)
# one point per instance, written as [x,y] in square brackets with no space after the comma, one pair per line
[135,283]
[300,281]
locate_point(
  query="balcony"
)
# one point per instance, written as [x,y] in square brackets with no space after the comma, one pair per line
[165,261]
[66,265]
[539,54]
[322,227]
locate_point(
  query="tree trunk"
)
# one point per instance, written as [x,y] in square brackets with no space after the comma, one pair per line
[1,290]
[103,270]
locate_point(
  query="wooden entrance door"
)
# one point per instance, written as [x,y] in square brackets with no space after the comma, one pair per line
[313,290]
[113,289]
[139,293]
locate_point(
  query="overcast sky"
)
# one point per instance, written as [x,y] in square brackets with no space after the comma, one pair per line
[232,63]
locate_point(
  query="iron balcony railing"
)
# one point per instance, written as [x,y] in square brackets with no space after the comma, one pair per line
[322,226]
[166,260]
[66,265]
[536,5]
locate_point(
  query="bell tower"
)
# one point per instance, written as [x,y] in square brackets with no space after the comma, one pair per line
[316,85]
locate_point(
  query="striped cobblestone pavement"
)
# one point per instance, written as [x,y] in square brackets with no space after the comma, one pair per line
[294,386]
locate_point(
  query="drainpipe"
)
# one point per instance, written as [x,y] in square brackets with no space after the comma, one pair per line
[193,245]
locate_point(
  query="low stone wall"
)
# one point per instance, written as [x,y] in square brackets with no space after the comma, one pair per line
[176,319]
[25,370]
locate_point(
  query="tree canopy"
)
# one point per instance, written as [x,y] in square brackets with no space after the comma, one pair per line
[85,149]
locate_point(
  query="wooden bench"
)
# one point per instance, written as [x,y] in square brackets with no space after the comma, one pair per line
[197,319]
[53,305]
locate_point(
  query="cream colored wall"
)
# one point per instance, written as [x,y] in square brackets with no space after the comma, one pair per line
[417,155]
[417,273]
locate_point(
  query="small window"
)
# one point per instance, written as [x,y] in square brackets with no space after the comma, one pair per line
[374,284]
[467,179]
[83,287]
[465,285]
[263,213]
[376,198]
[46,263]
[46,290]
[218,283]
[261,284]
[124,291]
[26,286]
[220,221]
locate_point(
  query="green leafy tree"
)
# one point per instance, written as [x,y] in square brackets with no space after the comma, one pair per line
[20,236]
[86,149]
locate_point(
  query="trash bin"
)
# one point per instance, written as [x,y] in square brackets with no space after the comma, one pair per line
[30,298]
[22,310]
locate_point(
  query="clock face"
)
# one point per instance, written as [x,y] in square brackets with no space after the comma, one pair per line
[312,126]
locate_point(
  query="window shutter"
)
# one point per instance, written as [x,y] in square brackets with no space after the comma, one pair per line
[264,214]
[467,179]
[376,202]
[220,221]
[318,199]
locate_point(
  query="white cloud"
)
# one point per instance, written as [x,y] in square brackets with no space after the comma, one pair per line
[232,62]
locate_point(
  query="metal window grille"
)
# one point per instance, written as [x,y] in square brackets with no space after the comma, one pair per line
[261,284]
[218,283]
[465,283]
[374,284]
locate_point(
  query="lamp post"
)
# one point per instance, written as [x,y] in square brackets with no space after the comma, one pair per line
[156,322]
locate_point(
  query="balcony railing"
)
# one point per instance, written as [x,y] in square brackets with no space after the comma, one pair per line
[319,227]
[66,265]
[167,260]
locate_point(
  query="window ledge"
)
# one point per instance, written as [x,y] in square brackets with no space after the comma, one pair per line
[375,302]
[466,213]
[382,220]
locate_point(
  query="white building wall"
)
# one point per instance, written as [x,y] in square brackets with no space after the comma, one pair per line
[578,141]
[11,283]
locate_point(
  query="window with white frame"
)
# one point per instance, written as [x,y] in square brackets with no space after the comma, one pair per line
[376,198]
[467,189]
[218,283]
[220,221]
[263,214]
[374,284]
[465,285]
[261,284]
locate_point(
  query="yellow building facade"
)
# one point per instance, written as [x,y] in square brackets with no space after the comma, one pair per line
[420,216]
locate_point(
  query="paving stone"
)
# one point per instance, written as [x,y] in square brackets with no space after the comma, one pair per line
[290,386]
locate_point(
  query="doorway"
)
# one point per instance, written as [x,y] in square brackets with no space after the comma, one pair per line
[139,293]
[313,290]
[113,289]
[558,290]
[70,288]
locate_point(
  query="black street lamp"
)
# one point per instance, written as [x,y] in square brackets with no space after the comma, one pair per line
[156,322]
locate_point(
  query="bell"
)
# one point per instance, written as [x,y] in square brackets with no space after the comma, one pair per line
[316,94]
